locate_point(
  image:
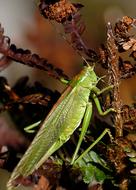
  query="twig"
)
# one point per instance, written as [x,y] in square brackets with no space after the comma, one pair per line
[114,79]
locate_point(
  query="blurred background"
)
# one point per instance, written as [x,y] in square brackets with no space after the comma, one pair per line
[27,29]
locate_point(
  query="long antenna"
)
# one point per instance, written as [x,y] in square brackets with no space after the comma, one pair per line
[69,43]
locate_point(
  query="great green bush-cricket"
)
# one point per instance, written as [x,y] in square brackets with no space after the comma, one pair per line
[73,107]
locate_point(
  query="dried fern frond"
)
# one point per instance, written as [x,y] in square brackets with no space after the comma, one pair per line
[26,57]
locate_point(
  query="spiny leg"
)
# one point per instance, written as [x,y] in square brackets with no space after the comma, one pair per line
[97,102]
[94,143]
[86,121]
[98,91]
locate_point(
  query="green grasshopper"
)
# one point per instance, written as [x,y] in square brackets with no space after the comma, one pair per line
[73,107]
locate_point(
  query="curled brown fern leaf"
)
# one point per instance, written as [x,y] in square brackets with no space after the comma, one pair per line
[67,13]
[26,57]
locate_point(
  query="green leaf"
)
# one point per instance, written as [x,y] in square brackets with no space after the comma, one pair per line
[92,173]
[89,171]
[96,158]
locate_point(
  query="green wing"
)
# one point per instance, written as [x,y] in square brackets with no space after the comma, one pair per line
[61,122]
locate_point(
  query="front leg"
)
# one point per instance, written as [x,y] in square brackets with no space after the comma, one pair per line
[64,81]
[97,102]
[97,91]
[30,128]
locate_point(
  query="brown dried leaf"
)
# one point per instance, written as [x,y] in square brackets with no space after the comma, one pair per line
[26,57]
[129,117]
[43,184]
[59,11]
[130,44]
[116,154]
[4,62]
[113,69]
[123,37]
[68,14]
[127,70]
[40,99]
[133,55]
